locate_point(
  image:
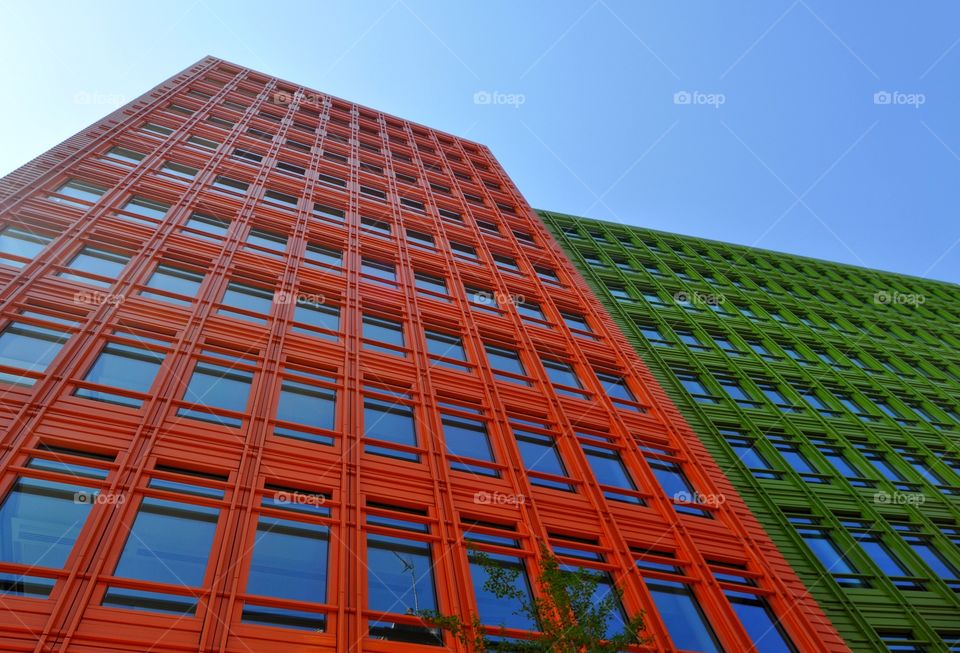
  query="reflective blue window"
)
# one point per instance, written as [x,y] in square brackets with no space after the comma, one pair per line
[247,298]
[169,543]
[22,242]
[122,366]
[764,629]
[173,280]
[467,438]
[390,423]
[400,581]
[28,347]
[498,611]
[309,405]
[313,316]
[94,261]
[289,562]
[680,612]
[610,470]
[385,331]
[216,387]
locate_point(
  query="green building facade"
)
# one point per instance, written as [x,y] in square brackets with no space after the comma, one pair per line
[830,396]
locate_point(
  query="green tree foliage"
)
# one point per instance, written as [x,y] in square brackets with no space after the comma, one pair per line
[570,618]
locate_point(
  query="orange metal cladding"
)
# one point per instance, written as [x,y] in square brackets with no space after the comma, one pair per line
[429,171]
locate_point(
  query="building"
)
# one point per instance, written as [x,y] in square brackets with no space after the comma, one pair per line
[270,361]
[829,396]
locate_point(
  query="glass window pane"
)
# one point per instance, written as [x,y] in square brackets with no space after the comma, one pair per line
[681,614]
[29,347]
[40,522]
[122,366]
[175,280]
[95,261]
[498,611]
[22,242]
[759,622]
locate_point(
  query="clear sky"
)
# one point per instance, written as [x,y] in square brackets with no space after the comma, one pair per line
[777,138]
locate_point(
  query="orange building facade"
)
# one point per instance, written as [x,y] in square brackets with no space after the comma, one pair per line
[270,363]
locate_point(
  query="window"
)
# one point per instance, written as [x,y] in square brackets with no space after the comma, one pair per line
[92,262]
[313,318]
[29,348]
[431,286]
[170,542]
[676,486]
[747,453]
[171,280]
[541,457]
[324,257]
[467,440]
[736,392]
[381,330]
[547,274]
[239,300]
[159,129]
[375,226]
[690,339]
[205,143]
[797,460]
[616,388]
[481,299]
[389,422]
[420,238]
[684,619]
[464,251]
[506,263]
[329,212]
[827,552]
[883,557]
[928,552]
[230,185]
[121,366]
[400,581]
[289,561]
[378,270]
[21,242]
[530,312]
[125,155]
[179,170]
[214,388]
[761,624]
[208,226]
[576,322]
[144,207]
[693,385]
[653,335]
[444,349]
[40,521]
[499,611]
[611,473]
[76,189]
[259,240]
[305,404]
[506,364]
[563,377]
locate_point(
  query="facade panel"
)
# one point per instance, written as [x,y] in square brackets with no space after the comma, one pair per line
[828,396]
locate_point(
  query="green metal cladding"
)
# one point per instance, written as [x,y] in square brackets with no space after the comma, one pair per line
[828,394]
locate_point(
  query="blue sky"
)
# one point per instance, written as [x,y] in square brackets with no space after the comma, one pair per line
[777,138]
